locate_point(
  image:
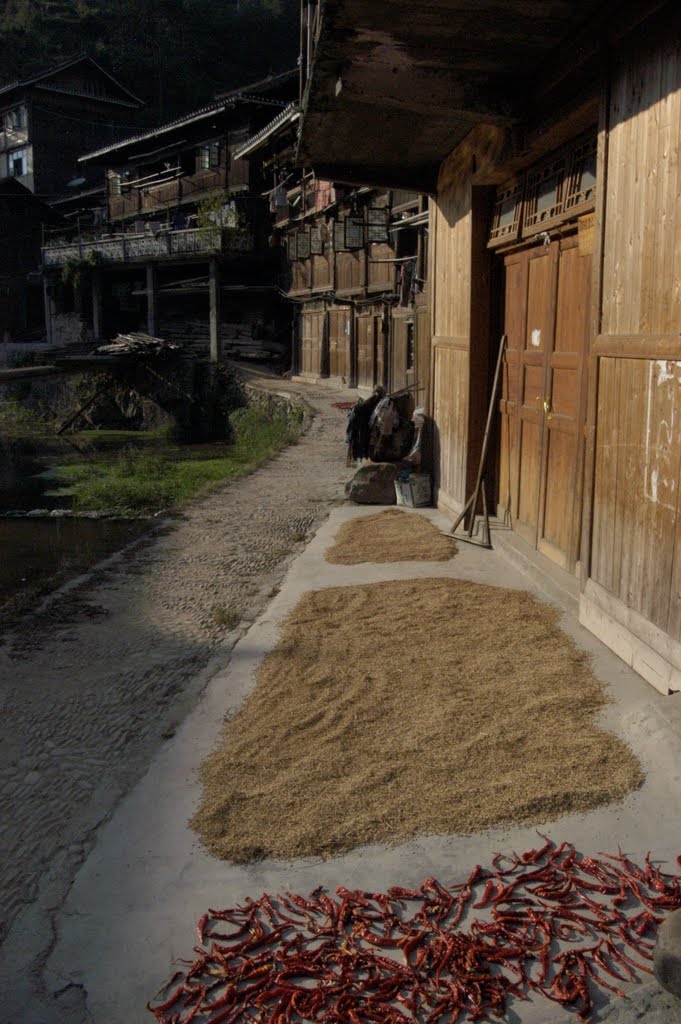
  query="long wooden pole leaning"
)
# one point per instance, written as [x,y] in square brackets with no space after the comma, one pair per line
[472,503]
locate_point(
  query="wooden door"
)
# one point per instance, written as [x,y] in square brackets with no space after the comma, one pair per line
[564,412]
[537,340]
[312,341]
[366,344]
[339,342]
[547,295]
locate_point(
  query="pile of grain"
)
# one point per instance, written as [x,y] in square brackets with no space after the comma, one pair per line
[391,536]
[404,708]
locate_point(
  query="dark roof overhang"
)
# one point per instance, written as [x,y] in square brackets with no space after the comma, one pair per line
[395,87]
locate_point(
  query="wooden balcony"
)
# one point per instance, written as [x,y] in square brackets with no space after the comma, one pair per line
[149,246]
[165,194]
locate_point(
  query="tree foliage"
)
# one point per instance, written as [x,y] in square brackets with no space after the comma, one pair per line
[174,54]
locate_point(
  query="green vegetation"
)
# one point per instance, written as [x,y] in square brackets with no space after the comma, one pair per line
[227,616]
[16,422]
[142,481]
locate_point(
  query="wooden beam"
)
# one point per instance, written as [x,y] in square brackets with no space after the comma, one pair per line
[417,179]
[638,346]
[8,376]
[214,311]
[436,92]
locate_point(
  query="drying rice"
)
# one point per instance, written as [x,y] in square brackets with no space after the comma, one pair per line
[400,709]
[391,536]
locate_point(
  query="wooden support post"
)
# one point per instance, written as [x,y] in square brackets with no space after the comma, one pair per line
[97,306]
[214,311]
[48,303]
[152,300]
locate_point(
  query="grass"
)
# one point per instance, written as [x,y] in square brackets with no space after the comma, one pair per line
[136,482]
[227,616]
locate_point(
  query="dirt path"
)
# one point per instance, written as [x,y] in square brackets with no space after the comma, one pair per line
[90,687]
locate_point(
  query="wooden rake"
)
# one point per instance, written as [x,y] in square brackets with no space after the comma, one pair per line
[479,534]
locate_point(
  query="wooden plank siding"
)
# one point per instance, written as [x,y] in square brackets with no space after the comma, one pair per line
[461,303]
[632,578]
[451,227]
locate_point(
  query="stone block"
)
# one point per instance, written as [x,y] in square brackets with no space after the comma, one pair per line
[374,483]
[667,954]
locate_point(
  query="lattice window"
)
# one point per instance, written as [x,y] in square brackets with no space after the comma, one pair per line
[544,194]
[316,242]
[292,246]
[339,235]
[506,216]
[377,224]
[580,188]
[210,156]
[303,244]
[354,232]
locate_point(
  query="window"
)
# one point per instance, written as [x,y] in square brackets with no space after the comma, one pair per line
[18,163]
[544,194]
[410,344]
[354,232]
[303,244]
[377,224]
[210,156]
[506,217]
[555,190]
[15,120]
[292,246]
[316,242]
[581,185]
[339,235]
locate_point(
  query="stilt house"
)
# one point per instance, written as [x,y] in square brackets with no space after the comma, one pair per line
[547,136]
[353,266]
[183,252]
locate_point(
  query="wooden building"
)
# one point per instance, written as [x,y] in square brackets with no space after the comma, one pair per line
[22,220]
[353,265]
[46,122]
[549,144]
[183,251]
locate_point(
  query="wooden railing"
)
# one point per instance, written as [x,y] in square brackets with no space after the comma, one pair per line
[166,194]
[164,244]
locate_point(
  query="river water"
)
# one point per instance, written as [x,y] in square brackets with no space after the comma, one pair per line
[39,552]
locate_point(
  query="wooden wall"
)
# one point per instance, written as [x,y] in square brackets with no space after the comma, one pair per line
[450,263]
[632,570]
[460,292]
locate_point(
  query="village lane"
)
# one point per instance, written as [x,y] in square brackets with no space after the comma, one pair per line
[93,684]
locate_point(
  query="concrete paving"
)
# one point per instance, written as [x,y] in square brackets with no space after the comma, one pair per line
[135,902]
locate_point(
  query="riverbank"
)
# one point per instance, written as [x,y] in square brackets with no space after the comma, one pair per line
[124,477]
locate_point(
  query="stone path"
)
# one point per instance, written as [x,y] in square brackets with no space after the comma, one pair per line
[91,686]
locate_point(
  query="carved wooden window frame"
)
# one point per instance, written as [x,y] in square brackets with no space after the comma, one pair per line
[580,198]
[500,234]
[573,197]
[534,219]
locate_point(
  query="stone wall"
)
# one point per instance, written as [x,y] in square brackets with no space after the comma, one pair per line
[279,401]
